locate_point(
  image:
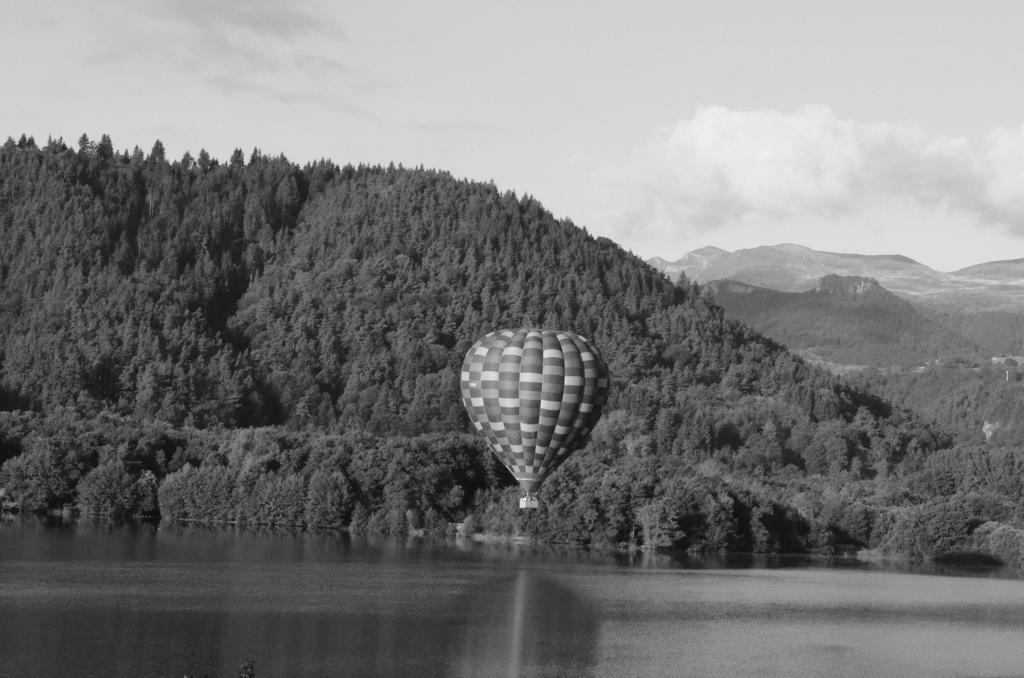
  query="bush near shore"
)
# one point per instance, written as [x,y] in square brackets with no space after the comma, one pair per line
[612,496]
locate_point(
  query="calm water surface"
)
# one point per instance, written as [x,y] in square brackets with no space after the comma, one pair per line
[141,602]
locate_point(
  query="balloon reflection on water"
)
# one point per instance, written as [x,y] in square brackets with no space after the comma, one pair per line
[534,626]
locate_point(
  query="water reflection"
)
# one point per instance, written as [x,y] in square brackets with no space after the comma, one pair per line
[98,602]
[531,626]
[92,601]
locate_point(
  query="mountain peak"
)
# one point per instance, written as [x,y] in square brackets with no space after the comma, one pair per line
[708,250]
[693,263]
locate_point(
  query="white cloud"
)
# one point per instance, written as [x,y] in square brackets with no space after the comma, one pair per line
[723,167]
[1005,159]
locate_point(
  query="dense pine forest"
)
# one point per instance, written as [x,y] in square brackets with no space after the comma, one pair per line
[265,343]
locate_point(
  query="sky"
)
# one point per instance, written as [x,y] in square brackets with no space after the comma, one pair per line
[890,127]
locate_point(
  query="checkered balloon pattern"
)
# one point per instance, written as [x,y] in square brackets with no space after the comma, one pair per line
[535,395]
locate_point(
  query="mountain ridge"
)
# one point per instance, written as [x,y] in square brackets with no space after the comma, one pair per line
[787,267]
[1004,267]
[844,320]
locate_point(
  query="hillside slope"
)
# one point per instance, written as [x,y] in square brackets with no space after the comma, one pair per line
[846,320]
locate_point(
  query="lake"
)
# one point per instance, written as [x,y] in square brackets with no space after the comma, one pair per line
[138,601]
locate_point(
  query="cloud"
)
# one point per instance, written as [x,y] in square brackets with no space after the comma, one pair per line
[262,18]
[723,166]
[453,127]
[255,37]
[276,51]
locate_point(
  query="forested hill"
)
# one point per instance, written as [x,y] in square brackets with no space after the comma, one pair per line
[324,301]
[260,293]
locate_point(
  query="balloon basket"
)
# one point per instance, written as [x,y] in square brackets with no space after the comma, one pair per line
[529,502]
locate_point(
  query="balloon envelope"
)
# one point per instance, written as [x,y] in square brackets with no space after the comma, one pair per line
[535,395]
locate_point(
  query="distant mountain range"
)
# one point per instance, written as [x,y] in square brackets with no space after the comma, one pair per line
[942,340]
[991,286]
[863,309]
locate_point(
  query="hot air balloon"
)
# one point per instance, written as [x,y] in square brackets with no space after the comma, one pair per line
[535,395]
